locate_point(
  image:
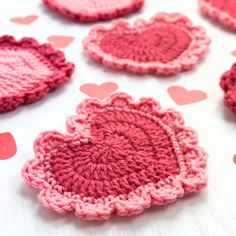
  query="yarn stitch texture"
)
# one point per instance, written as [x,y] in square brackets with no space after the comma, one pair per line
[167,44]
[224,11]
[228,84]
[94,10]
[119,156]
[29,70]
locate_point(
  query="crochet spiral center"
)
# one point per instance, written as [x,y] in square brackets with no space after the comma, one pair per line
[159,43]
[127,150]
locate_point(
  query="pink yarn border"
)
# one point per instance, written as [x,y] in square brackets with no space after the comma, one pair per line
[192,161]
[86,17]
[54,59]
[216,14]
[199,46]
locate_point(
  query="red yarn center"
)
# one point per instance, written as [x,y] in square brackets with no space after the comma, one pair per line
[126,151]
[162,43]
[228,6]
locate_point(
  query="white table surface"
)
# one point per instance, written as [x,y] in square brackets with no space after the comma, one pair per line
[210,212]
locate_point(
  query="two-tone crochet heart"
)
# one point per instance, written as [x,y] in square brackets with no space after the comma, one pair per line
[119,157]
[167,44]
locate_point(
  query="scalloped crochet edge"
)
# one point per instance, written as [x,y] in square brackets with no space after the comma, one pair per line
[187,60]
[216,14]
[54,59]
[192,164]
[86,17]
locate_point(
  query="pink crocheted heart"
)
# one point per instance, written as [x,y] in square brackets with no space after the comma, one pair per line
[119,157]
[222,10]
[94,10]
[167,44]
[28,71]
[228,84]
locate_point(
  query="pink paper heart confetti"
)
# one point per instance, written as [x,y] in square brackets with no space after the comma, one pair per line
[182,96]
[26,20]
[99,91]
[60,41]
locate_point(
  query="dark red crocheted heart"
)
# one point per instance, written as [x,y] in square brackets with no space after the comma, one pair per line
[222,10]
[228,84]
[28,71]
[167,44]
[126,150]
[162,43]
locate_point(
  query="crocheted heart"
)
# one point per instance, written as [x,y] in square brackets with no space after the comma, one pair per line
[168,44]
[228,84]
[28,71]
[119,157]
[94,10]
[223,11]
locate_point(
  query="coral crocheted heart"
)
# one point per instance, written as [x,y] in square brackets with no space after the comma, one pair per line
[167,44]
[223,11]
[28,71]
[118,157]
[228,84]
[94,10]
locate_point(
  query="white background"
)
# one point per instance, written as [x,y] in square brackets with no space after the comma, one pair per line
[211,212]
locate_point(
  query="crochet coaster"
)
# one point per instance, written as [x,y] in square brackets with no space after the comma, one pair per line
[223,11]
[118,157]
[94,10]
[228,84]
[28,71]
[167,44]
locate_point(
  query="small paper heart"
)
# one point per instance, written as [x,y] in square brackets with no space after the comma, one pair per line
[27,20]
[233,53]
[7,146]
[99,91]
[60,41]
[182,96]
[234,159]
